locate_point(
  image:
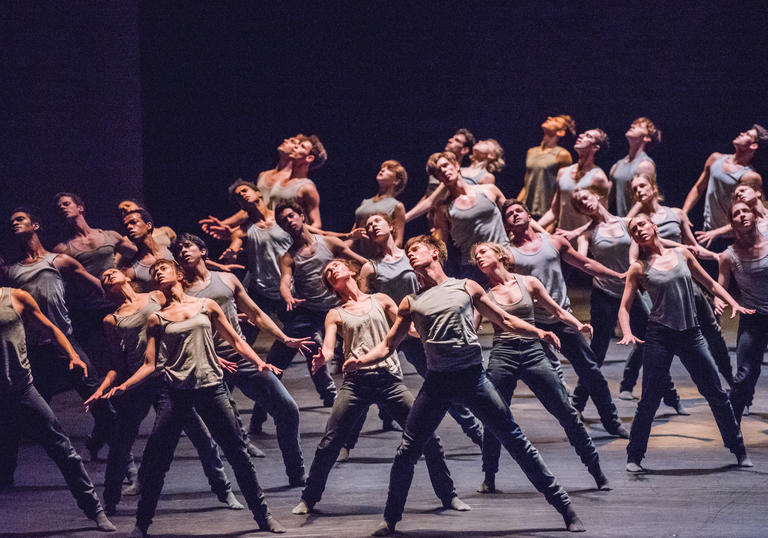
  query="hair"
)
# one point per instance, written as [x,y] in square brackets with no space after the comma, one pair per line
[287,205]
[750,185]
[509,202]
[762,134]
[239,181]
[431,242]
[143,213]
[652,180]
[496,164]
[33,212]
[503,253]
[569,124]
[164,261]
[469,141]
[642,251]
[177,244]
[734,201]
[653,132]
[400,174]
[317,150]
[352,265]
[75,198]
[134,200]
[432,161]
[603,141]
[576,204]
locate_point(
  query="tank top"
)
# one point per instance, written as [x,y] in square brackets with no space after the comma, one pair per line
[395,279]
[42,280]
[286,193]
[669,226]
[613,252]
[368,207]
[142,280]
[719,191]
[469,177]
[187,352]
[264,248]
[224,296]
[444,317]
[544,264]
[570,219]
[752,278]
[481,222]
[522,309]
[131,329]
[14,365]
[540,180]
[95,261]
[623,172]
[362,332]
[308,278]
[671,293]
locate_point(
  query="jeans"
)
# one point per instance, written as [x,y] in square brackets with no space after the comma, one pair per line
[710,329]
[661,344]
[214,407]
[24,412]
[357,392]
[472,388]
[132,408]
[576,350]
[525,360]
[752,343]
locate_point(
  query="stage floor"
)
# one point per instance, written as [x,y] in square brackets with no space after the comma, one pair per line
[692,487]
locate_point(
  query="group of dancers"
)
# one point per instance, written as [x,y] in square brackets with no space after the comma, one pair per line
[143,317]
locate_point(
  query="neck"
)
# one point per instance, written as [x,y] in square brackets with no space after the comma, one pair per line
[652,248]
[147,244]
[521,236]
[601,215]
[385,191]
[350,292]
[498,275]
[748,238]
[196,272]
[284,163]
[128,293]
[174,294]
[431,275]
[78,226]
[304,238]
[549,141]
[458,188]
[259,212]
[651,205]
[32,247]
[299,170]
[635,147]
[586,160]
[743,156]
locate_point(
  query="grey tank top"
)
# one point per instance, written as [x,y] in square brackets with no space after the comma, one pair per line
[719,191]
[95,261]
[623,172]
[481,222]
[286,193]
[132,331]
[308,278]
[42,280]
[14,365]
[469,177]
[613,252]
[522,309]
[368,207]
[362,332]
[395,279]
[142,280]
[224,296]
[669,226]
[671,293]
[541,178]
[264,248]
[444,317]
[570,219]
[752,278]
[544,264]
[187,353]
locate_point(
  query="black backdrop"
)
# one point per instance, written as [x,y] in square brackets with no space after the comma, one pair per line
[223,83]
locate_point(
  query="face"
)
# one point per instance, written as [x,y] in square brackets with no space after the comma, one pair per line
[112,278]
[190,253]
[336,273]
[377,228]
[420,255]
[386,177]
[746,138]
[745,193]
[127,205]
[456,143]
[301,150]
[586,202]
[486,258]
[552,125]
[637,130]
[516,217]
[68,208]
[482,150]
[135,227]
[742,217]
[22,224]
[291,221]
[587,139]
[165,275]
[246,195]
[287,145]
[643,231]
[642,189]
[447,172]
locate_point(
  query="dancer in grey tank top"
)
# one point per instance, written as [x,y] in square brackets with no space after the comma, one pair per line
[641,133]
[486,159]
[138,227]
[673,330]
[307,154]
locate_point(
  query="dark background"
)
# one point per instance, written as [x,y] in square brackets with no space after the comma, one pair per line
[171,102]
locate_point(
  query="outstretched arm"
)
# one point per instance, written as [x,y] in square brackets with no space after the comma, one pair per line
[588,265]
[700,186]
[543,298]
[713,287]
[427,203]
[627,298]
[384,349]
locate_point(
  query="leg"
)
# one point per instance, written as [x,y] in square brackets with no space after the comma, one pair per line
[710,329]
[10,437]
[604,312]
[503,370]
[752,342]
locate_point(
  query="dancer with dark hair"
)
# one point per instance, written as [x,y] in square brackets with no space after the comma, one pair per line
[307,154]
[641,132]
[139,226]
[753,197]
[163,235]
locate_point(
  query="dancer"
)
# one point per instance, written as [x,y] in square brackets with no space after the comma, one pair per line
[460,144]
[747,261]
[673,330]
[516,357]
[540,255]
[362,320]
[139,226]
[180,345]
[641,132]
[307,154]
[163,235]
[751,196]
[443,316]
[24,411]
[543,162]
[125,330]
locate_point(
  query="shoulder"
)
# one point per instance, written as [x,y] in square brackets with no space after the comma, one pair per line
[713,157]
[384,300]
[229,279]
[22,296]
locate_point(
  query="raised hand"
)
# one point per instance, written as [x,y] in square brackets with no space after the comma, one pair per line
[215,228]
[302,344]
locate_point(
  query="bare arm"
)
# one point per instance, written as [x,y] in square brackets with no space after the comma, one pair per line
[700,187]
[630,290]
[427,203]
[115,360]
[553,214]
[332,321]
[713,287]
[542,296]
[723,278]
[73,268]
[398,222]
[588,265]
[364,279]
[339,248]
[286,279]
[309,200]
[226,331]
[150,360]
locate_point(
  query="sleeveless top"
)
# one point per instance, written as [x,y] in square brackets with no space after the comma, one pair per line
[131,329]
[42,280]
[95,261]
[670,226]
[481,222]
[368,207]
[308,278]
[444,317]
[623,172]
[544,264]
[264,189]
[264,248]
[187,353]
[224,296]
[570,219]
[395,279]
[752,277]
[719,191]
[540,180]
[466,173]
[286,193]
[671,293]
[142,279]
[362,332]
[613,252]
[522,309]
[14,365]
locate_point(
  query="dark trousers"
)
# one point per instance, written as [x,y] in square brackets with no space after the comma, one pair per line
[357,392]
[712,333]
[132,408]
[472,388]
[24,412]
[50,369]
[661,344]
[525,360]
[576,350]
[215,409]
[751,345]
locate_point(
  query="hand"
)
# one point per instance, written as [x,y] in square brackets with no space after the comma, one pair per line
[736,307]
[229,255]
[352,365]
[569,235]
[229,366]
[75,361]
[357,233]
[705,238]
[586,329]
[226,267]
[268,367]
[720,306]
[216,229]
[302,344]
[292,303]
[630,339]
[550,338]
[413,332]
[318,360]
[116,391]
[99,394]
